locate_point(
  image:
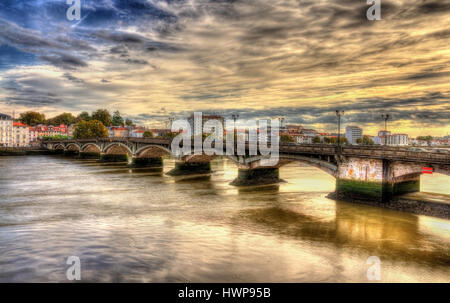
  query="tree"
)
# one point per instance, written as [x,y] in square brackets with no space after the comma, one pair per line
[169,135]
[286,139]
[90,130]
[64,118]
[334,140]
[425,138]
[148,134]
[32,118]
[103,116]
[128,122]
[316,139]
[365,140]
[84,116]
[117,119]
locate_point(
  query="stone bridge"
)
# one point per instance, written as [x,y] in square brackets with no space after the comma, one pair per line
[361,172]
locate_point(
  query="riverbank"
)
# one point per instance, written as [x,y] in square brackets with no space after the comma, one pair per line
[428,204]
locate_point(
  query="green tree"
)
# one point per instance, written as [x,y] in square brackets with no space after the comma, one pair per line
[90,130]
[128,122]
[64,118]
[148,134]
[425,138]
[103,116]
[169,135]
[117,119]
[32,118]
[83,116]
[56,137]
[286,139]
[316,139]
[334,140]
[365,140]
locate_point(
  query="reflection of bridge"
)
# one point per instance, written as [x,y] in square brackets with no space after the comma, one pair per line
[374,173]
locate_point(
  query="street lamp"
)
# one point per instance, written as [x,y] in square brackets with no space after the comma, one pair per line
[339,113]
[235,117]
[385,117]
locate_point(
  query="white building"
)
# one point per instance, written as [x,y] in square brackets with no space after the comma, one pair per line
[381,138]
[34,134]
[302,139]
[6,131]
[21,134]
[397,140]
[353,133]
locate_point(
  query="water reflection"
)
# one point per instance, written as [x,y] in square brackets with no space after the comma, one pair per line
[140,225]
[380,234]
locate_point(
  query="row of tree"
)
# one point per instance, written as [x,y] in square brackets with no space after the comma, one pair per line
[34,118]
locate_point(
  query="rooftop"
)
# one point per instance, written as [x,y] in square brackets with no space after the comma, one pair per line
[5,117]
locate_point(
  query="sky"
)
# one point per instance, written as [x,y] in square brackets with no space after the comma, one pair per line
[297,59]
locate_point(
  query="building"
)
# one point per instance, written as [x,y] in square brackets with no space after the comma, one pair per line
[34,134]
[6,131]
[302,139]
[136,132]
[21,134]
[397,140]
[158,132]
[309,132]
[292,128]
[118,132]
[415,142]
[353,133]
[381,138]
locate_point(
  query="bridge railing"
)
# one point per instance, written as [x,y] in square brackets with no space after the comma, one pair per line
[378,152]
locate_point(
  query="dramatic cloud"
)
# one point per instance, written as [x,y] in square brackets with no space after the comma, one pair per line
[300,59]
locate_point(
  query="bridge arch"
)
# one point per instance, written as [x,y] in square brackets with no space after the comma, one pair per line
[59,146]
[91,147]
[328,167]
[117,148]
[73,146]
[255,162]
[153,151]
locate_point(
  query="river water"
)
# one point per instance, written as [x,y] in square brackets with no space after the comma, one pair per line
[142,226]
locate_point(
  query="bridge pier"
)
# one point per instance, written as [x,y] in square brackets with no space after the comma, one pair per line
[257,176]
[183,168]
[89,155]
[114,158]
[147,162]
[71,153]
[376,179]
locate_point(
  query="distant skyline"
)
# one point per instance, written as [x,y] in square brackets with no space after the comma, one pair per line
[301,60]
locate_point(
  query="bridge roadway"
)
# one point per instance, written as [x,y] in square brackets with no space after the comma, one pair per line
[372,152]
[363,172]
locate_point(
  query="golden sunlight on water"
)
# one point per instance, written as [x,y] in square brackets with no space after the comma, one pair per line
[139,225]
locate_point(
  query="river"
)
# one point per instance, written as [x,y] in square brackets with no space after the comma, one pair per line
[138,225]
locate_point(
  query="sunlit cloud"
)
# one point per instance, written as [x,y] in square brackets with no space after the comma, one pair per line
[297,59]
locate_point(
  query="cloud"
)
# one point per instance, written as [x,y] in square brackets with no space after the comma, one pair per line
[64,61]
[119,37]
[299,59]
[72,78]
